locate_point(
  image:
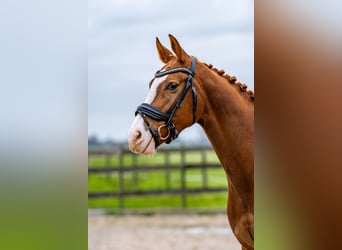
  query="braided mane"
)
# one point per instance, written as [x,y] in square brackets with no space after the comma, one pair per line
[233,80]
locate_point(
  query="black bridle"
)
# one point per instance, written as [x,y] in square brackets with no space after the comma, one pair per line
[146,109]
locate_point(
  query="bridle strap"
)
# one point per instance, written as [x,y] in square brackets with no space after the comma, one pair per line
[194,104]
[153,131]
[152,112]
[146,109]
[161,73]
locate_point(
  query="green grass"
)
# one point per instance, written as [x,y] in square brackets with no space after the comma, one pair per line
[157,180]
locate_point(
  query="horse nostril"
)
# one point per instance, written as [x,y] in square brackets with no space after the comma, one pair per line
[138,135]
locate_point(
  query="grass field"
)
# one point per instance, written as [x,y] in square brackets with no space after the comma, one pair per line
[156,180]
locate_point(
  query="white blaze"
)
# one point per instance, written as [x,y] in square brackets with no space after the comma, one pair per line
[153,91]
[138,123]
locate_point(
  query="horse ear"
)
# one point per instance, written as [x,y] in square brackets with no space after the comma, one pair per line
[180,53]
[165,55]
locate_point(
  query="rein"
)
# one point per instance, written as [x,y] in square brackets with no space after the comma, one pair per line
[146,109]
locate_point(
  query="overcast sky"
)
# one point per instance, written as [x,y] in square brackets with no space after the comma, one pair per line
[122,57]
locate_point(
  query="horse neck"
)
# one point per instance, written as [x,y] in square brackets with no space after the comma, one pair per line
[228,120]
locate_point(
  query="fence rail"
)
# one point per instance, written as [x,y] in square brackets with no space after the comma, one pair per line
[166,167]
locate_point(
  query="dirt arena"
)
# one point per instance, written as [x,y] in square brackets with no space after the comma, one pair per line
[160,232]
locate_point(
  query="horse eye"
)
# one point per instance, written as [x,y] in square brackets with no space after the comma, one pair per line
[172,86]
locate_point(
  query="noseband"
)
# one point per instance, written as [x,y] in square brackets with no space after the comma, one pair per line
[146,109]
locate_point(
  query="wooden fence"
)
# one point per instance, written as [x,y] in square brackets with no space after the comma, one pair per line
[166,167]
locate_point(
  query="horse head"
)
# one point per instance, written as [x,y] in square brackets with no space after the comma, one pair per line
[171,104]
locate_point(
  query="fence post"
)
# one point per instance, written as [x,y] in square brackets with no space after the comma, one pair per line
[135,173]
[121,180]
[183,176]
[204,169]
[167,171]
[107,165]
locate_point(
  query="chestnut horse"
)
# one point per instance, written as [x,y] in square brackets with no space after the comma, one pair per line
[187,91]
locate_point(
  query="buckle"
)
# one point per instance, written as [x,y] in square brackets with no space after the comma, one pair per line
[160,134]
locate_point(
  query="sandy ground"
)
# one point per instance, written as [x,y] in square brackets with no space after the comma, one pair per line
[160,232]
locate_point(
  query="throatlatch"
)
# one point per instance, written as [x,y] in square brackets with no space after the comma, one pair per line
[146,109]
